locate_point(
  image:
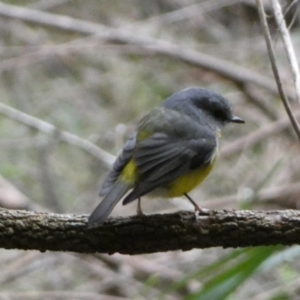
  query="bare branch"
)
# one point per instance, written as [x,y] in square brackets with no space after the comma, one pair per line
[275,69]
[285,196]
[256,136]
[148,234]
[51,130]
[287,41]
[229,70]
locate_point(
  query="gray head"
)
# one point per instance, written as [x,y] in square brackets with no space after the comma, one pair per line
[202,104]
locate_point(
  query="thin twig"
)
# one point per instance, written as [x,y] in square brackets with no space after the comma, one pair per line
[246,142]
[285,196]
[51,130]
[288,45]
[183,13]
[274,67]
[257,98]
[195,58]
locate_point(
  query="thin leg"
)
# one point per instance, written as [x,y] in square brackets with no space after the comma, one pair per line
[196,206]
[139,210]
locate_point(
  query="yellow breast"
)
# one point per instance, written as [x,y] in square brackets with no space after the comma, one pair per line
[189,181]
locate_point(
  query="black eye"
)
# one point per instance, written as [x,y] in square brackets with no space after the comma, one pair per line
[219,114]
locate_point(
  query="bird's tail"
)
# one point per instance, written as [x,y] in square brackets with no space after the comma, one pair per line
[103,210]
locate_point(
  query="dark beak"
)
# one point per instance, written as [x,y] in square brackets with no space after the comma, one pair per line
[236,119]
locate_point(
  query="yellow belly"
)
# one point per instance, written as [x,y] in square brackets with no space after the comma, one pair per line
[177,188]
[187,182]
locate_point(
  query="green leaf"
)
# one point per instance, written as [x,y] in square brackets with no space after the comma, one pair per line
[222,285]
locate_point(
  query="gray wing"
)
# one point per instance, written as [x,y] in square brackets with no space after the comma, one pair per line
[161,159]
[121,161]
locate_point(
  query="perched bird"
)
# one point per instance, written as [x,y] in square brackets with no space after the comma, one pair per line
[171,152]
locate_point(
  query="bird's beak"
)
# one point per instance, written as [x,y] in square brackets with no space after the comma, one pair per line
[236,119]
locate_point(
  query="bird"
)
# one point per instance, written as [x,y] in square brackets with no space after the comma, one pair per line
[172,150]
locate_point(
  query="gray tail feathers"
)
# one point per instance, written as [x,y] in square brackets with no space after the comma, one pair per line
[103,210]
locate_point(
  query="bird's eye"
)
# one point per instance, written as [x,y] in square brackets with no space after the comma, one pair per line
[219,114]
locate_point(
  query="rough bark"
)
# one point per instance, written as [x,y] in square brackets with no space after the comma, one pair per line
[155,233]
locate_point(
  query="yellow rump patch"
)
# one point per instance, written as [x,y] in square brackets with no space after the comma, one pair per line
[129,173]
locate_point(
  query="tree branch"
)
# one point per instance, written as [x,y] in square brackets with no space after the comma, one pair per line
[224,68]
[51,130]
[154,233]
[288,45]
[273,62]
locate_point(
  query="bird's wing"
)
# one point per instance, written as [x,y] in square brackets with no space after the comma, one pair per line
[121,161]
[161,158]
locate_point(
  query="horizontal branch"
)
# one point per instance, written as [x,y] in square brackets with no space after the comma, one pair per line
[51,130]
[234,72]
[154,233]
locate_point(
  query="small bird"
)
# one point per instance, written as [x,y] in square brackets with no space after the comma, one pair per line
[171,152]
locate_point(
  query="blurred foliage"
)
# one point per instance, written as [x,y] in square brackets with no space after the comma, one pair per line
[98,91]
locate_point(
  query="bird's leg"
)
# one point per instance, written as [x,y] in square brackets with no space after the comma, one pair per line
[139,210]
[198,209]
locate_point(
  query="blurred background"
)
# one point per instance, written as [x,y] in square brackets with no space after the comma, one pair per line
[94,75]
